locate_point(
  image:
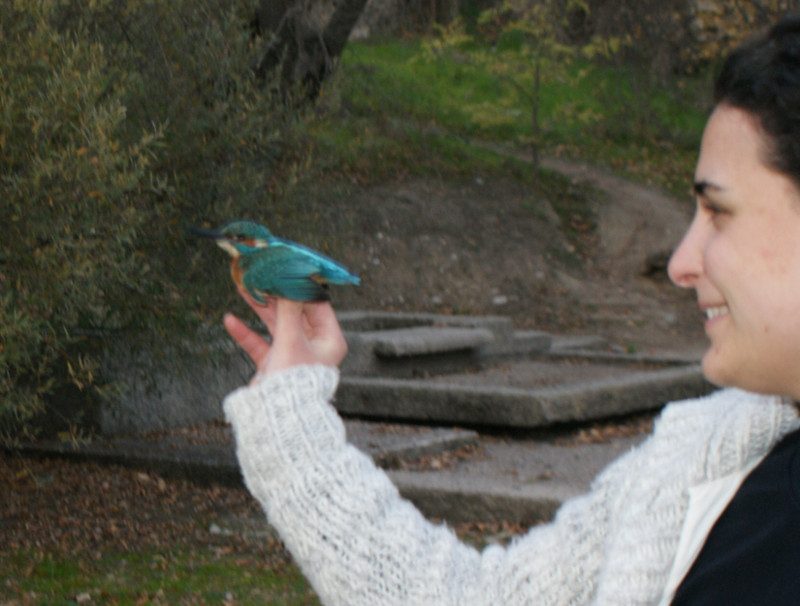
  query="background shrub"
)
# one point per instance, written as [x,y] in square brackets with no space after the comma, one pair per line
[121,123]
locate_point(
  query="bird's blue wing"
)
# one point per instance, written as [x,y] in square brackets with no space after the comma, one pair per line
[328,270]
[281,272]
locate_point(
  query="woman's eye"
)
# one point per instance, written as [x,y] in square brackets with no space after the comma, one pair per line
[719,215]
[713,209]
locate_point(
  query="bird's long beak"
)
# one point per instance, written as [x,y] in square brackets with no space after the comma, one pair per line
[206,233]
[222,241]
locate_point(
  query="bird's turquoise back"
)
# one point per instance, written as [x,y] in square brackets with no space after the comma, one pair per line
[291,272]
[328,269]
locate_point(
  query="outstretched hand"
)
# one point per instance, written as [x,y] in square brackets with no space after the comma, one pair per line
[302,333]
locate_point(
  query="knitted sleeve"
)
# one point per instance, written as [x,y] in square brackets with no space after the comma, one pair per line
[359,543]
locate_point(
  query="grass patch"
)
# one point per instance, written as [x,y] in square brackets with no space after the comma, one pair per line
[365,151]
[151,577]
[400,106]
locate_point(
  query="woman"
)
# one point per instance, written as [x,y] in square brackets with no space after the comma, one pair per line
[706,511]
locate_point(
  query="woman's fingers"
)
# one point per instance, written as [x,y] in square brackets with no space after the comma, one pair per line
[302,333]
[328,338]
[251,342]
[291,341]
[290,327]
[267,313]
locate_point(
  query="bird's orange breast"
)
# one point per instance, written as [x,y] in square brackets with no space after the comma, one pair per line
[236,272]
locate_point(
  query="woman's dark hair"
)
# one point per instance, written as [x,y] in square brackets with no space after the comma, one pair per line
[762,77]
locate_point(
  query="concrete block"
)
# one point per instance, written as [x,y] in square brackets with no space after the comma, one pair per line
[422,341]
[437,402]
[187,387]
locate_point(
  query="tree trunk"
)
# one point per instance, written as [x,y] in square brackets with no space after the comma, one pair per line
[304,51]
[342,22]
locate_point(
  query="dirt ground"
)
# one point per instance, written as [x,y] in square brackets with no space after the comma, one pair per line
[491,246]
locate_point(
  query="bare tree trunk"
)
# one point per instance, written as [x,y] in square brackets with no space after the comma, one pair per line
[446,11]
[536,143]
[341,24]
[304,51]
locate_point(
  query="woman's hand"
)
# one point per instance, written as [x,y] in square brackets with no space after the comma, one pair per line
[302,333]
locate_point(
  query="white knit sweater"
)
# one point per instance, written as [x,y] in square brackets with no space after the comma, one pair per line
[359,543]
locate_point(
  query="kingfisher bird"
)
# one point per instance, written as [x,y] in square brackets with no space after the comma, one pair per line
[268,266]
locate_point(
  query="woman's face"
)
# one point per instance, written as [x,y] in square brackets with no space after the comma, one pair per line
[741,254]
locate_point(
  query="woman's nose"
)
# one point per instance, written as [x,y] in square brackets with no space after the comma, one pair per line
[686,264]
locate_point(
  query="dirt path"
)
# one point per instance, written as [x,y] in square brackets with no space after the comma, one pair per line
[638,227]
[490,245]
[635,223]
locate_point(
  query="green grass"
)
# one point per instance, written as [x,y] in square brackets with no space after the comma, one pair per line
[402,107]
[181,576]
[178,577]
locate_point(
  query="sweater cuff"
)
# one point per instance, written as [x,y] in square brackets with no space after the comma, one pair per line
[286,420]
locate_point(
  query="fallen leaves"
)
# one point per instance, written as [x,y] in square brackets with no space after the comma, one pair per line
[604,431]
[51,504]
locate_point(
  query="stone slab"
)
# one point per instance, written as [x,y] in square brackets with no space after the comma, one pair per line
[519,407]
[366,321]
[174,455]
[422,340]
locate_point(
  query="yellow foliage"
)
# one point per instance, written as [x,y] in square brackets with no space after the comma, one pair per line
[719,25]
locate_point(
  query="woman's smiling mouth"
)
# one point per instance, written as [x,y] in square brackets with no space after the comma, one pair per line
[715,312]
